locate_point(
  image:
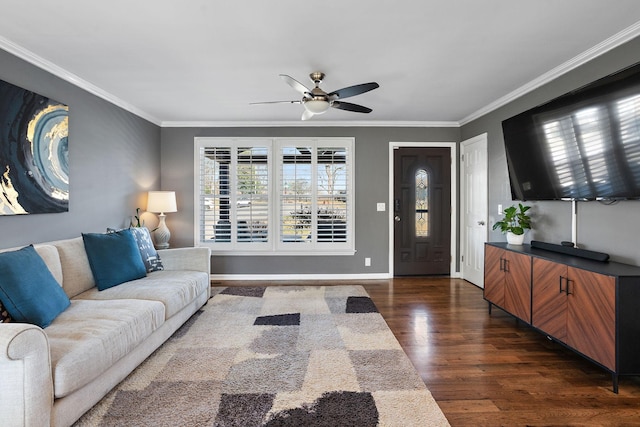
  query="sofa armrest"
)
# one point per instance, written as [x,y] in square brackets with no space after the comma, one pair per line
[198,259]
[25,375]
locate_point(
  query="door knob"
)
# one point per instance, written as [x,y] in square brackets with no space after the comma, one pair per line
[396,218]
[480,222]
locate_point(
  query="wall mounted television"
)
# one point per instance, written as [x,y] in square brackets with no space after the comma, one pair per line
[583,145]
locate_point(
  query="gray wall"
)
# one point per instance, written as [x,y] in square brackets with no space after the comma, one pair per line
[371,185]
[613,229]
[114,156]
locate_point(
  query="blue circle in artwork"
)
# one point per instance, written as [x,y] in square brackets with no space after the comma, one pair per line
[50,151]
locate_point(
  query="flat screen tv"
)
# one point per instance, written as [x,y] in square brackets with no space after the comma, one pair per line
[584,145]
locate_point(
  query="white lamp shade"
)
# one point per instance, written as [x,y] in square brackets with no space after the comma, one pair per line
[161,201]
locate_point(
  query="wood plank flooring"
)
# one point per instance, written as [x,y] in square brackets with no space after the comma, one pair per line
[489,370]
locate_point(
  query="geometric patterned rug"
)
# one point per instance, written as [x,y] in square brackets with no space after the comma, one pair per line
[275,356]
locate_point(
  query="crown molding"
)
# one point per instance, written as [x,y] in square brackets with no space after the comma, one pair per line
[616,40]
[74,79]
[308,123]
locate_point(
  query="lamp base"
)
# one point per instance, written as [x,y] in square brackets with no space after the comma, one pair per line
[162,234]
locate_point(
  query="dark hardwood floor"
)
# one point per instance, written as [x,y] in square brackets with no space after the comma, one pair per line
[489,370]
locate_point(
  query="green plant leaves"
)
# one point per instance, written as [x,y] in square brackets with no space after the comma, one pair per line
[515,220]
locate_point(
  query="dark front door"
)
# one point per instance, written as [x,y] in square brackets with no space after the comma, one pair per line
[422,211]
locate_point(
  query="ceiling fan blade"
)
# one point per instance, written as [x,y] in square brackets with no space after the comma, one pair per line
[306,115]
[350,107]
[296,85]
[276,102]
[346,92]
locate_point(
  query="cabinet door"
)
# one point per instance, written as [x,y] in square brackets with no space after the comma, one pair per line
[591,316]
[517,285]
[493,275]
[549,300]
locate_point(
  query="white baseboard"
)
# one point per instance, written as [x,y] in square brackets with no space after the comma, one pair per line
[300,277]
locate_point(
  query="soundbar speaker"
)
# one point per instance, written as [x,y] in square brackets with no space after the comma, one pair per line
[569,250]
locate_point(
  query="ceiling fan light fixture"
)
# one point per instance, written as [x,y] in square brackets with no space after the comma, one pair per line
[316,106]
[317,101]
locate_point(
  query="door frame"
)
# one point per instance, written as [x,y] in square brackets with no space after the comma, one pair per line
[453,146]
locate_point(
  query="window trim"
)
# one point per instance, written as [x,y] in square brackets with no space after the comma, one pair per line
[274,246]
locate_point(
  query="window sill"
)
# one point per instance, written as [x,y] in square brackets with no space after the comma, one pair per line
[350,252]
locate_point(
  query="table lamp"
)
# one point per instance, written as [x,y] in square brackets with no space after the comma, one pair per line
[161,202]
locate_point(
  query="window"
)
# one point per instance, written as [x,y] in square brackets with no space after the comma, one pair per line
[422,203]
[278,196]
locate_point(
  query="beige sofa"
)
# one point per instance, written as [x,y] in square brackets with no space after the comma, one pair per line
[52,376]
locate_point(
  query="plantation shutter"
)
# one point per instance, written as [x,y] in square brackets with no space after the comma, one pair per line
[252,190]
[315,194]
[296,194]
[233,190]
[214,194]
[332,181]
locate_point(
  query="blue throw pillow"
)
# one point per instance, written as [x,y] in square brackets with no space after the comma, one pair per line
[114,258]
[150,257]
[28,290]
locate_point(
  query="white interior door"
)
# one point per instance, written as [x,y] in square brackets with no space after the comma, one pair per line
[475,207]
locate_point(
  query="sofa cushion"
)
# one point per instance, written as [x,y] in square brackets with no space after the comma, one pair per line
[114,258]
[90,336]
[51,258]
[175,289]
[76,270]
[150,257]
[28,290]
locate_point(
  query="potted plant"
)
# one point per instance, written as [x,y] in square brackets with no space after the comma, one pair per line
[514,223]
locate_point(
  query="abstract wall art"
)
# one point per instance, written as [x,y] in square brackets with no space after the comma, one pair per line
[34,153]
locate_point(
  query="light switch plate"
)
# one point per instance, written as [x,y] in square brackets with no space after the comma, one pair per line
[381,207]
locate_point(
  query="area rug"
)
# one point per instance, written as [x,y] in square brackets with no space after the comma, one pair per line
[275,356]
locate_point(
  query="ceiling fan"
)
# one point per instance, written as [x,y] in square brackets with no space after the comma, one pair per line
[317,101]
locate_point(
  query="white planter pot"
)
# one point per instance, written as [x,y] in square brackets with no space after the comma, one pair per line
[515,239]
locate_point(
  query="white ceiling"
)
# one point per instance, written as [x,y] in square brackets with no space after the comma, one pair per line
[204,61]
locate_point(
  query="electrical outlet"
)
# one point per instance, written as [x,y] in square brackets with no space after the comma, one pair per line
[499,209]
[367,262]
